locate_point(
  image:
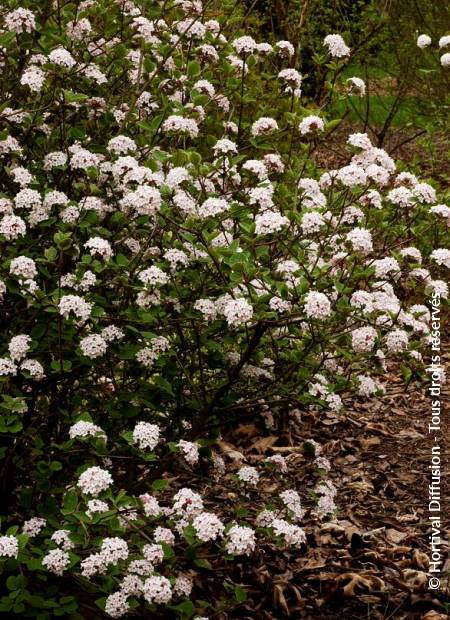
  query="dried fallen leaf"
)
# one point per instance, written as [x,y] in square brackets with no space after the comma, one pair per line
[434,615]
[246,431]
[230,451]
[420,559]
[410,434]
[313,563]
[368,443]
[395,551]
[284,449]
[279,599]
[361,485]
[378,427]
[415,579]
[263,444]
[362,580]
[395,536]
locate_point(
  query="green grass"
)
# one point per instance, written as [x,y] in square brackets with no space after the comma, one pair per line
[409,114]
[371,72]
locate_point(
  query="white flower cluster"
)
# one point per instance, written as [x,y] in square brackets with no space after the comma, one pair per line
[23,268]
[249,475]
[189,450]
[237,312]
[270,222]
[117,605]
[326,504]
[12,227]
[93,346]
[291,500]
[264,125]
[208,527]
[157,589]
[153,276]
[151,505]
[293,535]
[33,526]
[336,46]
[363,339]
[423,41]
[146,435]
[62,539]
[94,480]
[317,305]
[311,124]
[96,506]
[179,124]
[99,247]
[149,354]
[86,429]
[74,304]
[241,540]
[187,502]
[20,20]
[62,57]
[112,551]
[9,547]
[19,346]
[56,561]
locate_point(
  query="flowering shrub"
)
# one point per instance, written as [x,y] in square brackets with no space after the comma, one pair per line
[173,262]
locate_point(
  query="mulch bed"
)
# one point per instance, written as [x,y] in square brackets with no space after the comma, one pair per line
[372,561]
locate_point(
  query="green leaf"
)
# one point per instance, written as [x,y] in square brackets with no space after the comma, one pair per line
[240,594]
[193,68]
[169,553]
[160,484]
[241,512]
[122,260]
[128,352]
[332,124]
[34,565]
[164,385]
[63,240]
[149,65]
[51,254]
[200,99]
[100,602]
[70,502]
[72,97]
[189,534]
[6,38]
[11,583]
[38,331]
[203,563]
[185,609]
[128,436]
